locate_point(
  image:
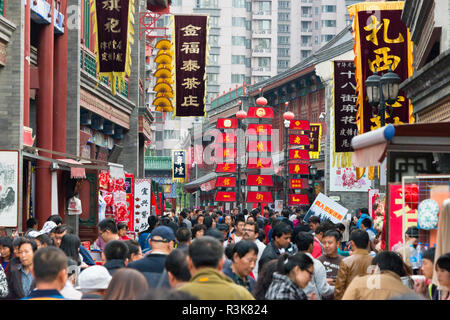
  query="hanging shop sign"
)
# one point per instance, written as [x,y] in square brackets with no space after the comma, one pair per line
[225,196]
[259,146]
[299,139]
[298,154]
[225,123]
[113,25]
[314,137]
[226,138]
[178,165]
[226,182]
[259,163]
[297,168]
[190,34]
[298,184]
[260,112]
[129,190]
[297,124]
[259,196]
[142,203]
[224,153]
[259,129]
[298,200]
[382,41]
[259,180]
[226,167]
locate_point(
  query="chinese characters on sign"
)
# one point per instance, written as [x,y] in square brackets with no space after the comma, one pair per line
[142,203]
[345,109]
[190,61]
[179,165]
[382,42]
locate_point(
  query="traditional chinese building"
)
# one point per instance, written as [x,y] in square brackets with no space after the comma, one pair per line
[59,117]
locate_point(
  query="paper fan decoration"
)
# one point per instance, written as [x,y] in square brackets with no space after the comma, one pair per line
[427,216]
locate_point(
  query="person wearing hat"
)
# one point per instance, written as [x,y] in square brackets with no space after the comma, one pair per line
[93,282]
[153,264]
[411,238]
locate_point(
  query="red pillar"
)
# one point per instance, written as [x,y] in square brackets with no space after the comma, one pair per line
[44,121]
[60,102]
[26,72]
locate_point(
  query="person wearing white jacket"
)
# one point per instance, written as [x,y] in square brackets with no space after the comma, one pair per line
[318,283]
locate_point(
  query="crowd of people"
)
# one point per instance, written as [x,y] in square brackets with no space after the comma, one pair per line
[208,255]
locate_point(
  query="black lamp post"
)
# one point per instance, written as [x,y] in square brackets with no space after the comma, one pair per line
[313,173]
[381,91]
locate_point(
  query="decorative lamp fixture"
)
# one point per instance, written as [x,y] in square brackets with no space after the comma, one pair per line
[373,89]
[241,114]
[313,170]
[261,101]
[390,82]
[288,115]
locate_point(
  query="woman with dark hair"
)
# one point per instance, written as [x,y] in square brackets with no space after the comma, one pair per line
[70,244]
[265,277]
[294,272]
[122,228]
[443,277]
[208,221]
[6,253]
[198,231]
[385,281]
[43,240]
[126,284]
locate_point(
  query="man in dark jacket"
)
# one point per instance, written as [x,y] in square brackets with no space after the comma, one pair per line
[152,265]
[281,240]
[116,256]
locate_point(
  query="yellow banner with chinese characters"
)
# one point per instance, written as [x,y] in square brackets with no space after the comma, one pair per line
[382,43]
[113,27]
[314,137]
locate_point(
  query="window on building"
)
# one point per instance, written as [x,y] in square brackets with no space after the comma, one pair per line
[263,43]
[238,41]
[238,21]
[327,37]
[316,25]
[328,8]
[283,28]
[212,78]
[237,59]
[238,3]
[305,53]
[213,22]
[306,40]
[171,134]
[283,39]
[264,62]
[264,6]
[213,59]
[214,41]
[306,26]
[248,43]
[283,16]
[283,52]
[248,25]
[248,62]
[237,78]
[263,24]
[316,40]
[316,11]
[329,23]
[207,3]
[159,135]
[248,6]
[283,64]
[177,3]
[283,4]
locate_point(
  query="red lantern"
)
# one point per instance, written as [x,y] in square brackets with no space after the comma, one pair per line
[241,114]
[288,115]
[261,101]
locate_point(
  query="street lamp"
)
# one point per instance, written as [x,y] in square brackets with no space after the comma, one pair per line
[381,91]
[313,173]
[287,116]
[240,115]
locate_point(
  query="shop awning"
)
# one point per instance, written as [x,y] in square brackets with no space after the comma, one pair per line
[205,183]
[75,172]
[371,148]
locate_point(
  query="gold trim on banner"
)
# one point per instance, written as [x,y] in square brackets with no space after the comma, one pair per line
[174,65]
[115,76]
[315,154]
[340,159]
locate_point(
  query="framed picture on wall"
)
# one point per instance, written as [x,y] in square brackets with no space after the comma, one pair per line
[9,187]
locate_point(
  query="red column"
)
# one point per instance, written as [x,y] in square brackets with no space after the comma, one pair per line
[60,101]
[44,121]
[26,71]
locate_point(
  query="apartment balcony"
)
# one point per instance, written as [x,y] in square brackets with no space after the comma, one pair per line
[307,3]
[266,15]
[306,31]
[306,46]
[307,16]
[261,71]
[261,33]
[154,163]
[260,52]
